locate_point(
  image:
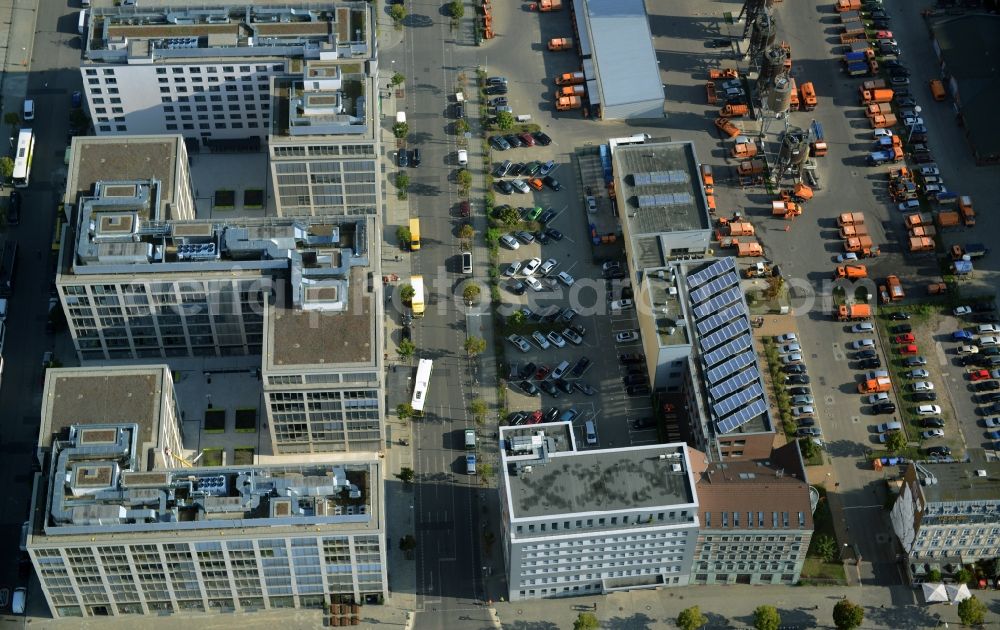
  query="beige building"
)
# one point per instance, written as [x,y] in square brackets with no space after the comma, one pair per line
[120,523]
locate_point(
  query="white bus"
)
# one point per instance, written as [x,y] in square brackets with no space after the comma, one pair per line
[22,161]
[420,386]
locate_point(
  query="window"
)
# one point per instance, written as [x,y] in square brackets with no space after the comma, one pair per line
[177,70]
[166,99]
[91,72]
[171,127]
[121,128]
[94,81]
[168,108]
[112,90]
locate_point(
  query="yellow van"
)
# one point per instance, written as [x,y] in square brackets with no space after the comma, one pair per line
[937,90]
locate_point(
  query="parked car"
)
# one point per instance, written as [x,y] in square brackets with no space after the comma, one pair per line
[862,344]
[869,363]
[786,338]
[794,368]
[797,379]
[863,327]
[884,407]
[540,339]
[928,410]
[520,343]
[627,336]
[509,241]
[914,361]
[556,339]
[924,397]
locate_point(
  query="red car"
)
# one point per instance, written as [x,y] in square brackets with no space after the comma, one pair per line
[883,35]
[464,209]
[543,371]
[907,338]
[527,139]
[535,417]
[979,375]
[908,349]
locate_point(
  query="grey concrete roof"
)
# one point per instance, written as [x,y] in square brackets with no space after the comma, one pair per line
[672,199]
[113,158]
[960,481]
[623,49]
[600,481]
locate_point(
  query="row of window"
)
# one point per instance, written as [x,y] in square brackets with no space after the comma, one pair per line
[601,522]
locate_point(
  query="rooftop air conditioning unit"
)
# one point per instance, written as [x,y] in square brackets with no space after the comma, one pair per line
[677,468]
[672,291]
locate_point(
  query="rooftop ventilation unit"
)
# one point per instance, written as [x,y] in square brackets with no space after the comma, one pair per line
[196,251]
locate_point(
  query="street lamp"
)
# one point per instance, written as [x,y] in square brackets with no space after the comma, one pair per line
[916,110]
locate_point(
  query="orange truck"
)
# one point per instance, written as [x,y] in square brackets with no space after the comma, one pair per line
[560,43]
[571,90]
[850,218]
[733,110]
[728,73]
[947,219]
[883,121]
[727,127]
[808,94]
[751,167]
[853,32]
[850,272]
[917,220]
[965,207]
[710,94]
[895,287]
[564,103]
[749,250]
[883,95]
[848,5]
[854,312]
[851,231]
[793,102]
[921,244]
[738,228]
[570,78]
[874,109]
[707,178]
[923,230]
[858,244]
[744,148]
[546,5]
[875,385]
[785,209]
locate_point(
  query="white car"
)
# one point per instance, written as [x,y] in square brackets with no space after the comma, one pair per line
[512,268]
[786,338]
[923,386]
[534,284]
[863,327]
[874,374]
[789,359]
[565,278]
[621,305]
[519,185]
[509,241]
[962,310]
[992,423]
[540,339]
[556,339]
[909,121]
[520,342]
[918,373]
[929,410]
[802,400]
[932,433]
[909,205]
[627,336]
[988,329]
[929,170]
[789,348]
[463,157]
[848,257]
[986,342]
[548,266]
[862,344]
[532,266]
[882,133]
[804,410]
[571,335]
[877,398]
[967,349]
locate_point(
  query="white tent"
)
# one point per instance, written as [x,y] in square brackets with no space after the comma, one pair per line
[934,592]
[957,592]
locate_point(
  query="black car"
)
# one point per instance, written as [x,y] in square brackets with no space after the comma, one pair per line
[993,351]
[932,423]
[584,388]
[500,88]
[541,138]
[541,237]
[554,234]
[892,63]
[870,364]
[515,169]
[549,388]
[878,14]
[899,316]
[528,370]
[638,390]
[531,168]
[918,136]
[986,386]
[499,143]
[906,101]
[502,168]
[529,388]
[515,286]
[516,418]
[14,208]
[634,379]
[514,141]
[547,216]
[989,398]
[565,385]
[986,318]
[924,396]
[504,186]
[799,391]
[923,157]
[403,158]
[978,307]
[914,361]
[901,329]
[580,367]
[866,354]
[644,423]
[552,182]
[798,368]
[938,451]
[884,407]
[969,359]
[797,379]
[899,71]
[719,42]
[551,414]
[460,110]
[631,357]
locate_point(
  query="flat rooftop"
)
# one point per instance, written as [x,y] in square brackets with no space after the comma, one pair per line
[666,308]
[961,481]
[96,158]
[310,337]
[600,481]
[318,105]
[660,187]
[82,396]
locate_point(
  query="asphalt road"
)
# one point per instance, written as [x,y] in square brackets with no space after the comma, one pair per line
[54,76]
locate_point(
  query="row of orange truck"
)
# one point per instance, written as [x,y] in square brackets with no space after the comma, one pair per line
[855,234]
[571,90]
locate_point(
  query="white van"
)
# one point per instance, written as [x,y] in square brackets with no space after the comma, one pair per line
[463,157]
[470,439]
[401,117]
[81,23]
[28,111]
[591,433]
[466,262]
[17,603]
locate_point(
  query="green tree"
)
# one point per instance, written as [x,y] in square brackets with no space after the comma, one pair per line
[464,179]
[6,167]
[408,542]
[397,79]
[406,348]
[475,346]
[691,619]
[505,120]
[766,618]
[461,126]
[406,292]
[403,236]
[972,612]
[404,411]
[402,184]
[964,576]
[775,286]
[934,575]
[809,448]
[466,232]
[12,118]
[398,13]
[515,319]
[471,293]
[78,120]
[492,236]
[825,547]
[486,471]
[400,129]
[847,615]
[405,474]
[586,621]
[508,214]
[895,442]
[478,407]
[455,9]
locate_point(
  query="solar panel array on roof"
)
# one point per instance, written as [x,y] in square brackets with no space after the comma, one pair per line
[717,268]
[741,417]
[723,335]
[706,291]
[718,303]
[661,177]
[712,322]
[737,400]
[666,199]
[731,366]
[719,355]
[739,380]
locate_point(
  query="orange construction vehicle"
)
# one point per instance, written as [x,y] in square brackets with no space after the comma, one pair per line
[848,5]
[921,244]
[965,207]
[883,121]
[936,288]
[861,245]
[896,292]
[917,220]
[785,209]
[853,32]
[851,231]
[728,73]
[732,110]
[851,272]
[546,5]
[707,178]
[850,218]
[808,96]
[751,167]
[923,230]
[749,250]
[801,192]
[900,173]
[571,90]
[793,102]
[564,103]
[735,228]
[570,78]
[947,219]
[854,312]
[744,148]
[560,43]
[875,385]
[710,94]
[875,109]
[727,127]
[883,95]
